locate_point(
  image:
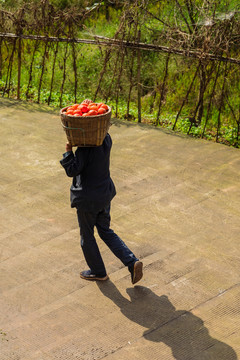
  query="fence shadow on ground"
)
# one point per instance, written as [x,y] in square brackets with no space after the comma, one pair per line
[183,332]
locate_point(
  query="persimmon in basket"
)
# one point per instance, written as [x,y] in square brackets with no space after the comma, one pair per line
[87,108]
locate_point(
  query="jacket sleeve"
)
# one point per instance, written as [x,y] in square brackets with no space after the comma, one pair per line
[73,164]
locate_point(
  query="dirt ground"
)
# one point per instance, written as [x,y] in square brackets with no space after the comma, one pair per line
[177,207]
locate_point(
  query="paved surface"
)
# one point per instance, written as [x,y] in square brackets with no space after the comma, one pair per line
[177,207]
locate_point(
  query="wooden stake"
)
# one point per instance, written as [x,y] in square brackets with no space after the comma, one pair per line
[139,88]
[42,72]
[31,69]
[107,58]
[9,71]
[53,72]
[75,72]
[1,58]
[19,67]
[64,74]
[186,97]
[163,89]
[210,99]
[221,102]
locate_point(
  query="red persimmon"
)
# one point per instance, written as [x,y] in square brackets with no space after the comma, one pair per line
[99,105]
[83,108]
[77,112]
[87,101]
[101,111]
[104,106]
[74,107]
[70,112]
[93,107]
[92,112]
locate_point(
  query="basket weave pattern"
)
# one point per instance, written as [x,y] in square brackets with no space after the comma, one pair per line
[85,131]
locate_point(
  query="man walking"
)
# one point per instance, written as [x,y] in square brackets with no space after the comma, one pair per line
[91,193]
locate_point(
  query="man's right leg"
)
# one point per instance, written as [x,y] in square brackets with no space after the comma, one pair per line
[89,245]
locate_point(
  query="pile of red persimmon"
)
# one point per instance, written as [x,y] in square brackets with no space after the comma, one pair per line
[86,108]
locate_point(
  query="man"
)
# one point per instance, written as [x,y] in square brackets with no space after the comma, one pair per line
[91,193]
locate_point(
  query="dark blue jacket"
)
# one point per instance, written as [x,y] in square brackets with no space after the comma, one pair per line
[92,187]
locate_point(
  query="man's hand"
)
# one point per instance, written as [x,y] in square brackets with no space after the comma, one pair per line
[68,147]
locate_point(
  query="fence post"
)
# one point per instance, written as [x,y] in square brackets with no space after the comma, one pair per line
[0,58]
[19,67]
[163,89]
[139,78]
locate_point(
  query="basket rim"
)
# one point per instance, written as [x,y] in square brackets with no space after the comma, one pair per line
[85,117]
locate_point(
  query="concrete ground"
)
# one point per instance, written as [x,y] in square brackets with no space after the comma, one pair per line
[177,208]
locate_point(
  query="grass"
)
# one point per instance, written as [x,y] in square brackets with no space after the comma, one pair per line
[227,135]
[89,62]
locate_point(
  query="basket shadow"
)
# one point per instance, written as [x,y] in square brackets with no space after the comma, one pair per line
[183,332]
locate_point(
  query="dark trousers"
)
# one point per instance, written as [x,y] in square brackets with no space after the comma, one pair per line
[87,222]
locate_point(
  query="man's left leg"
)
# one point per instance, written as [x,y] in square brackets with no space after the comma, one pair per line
[117,246]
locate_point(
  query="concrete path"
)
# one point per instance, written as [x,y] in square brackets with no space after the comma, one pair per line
[178,209]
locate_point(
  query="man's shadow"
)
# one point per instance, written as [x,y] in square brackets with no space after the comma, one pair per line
[180,330]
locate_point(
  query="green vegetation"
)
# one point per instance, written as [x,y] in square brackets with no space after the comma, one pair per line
[62,73]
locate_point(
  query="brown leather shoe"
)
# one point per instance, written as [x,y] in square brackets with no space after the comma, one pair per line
[136,272]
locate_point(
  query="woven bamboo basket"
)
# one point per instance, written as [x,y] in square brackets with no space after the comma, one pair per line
[85,131]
